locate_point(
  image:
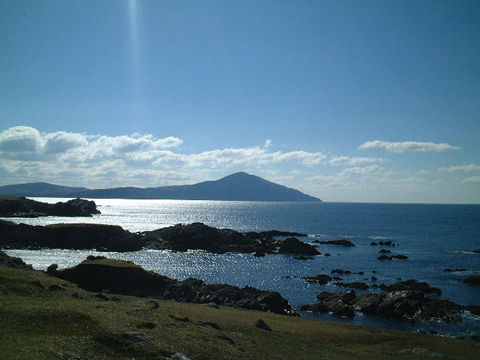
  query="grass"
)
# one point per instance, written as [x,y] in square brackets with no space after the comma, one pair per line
[41,323]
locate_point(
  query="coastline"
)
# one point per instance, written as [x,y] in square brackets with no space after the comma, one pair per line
[85,325]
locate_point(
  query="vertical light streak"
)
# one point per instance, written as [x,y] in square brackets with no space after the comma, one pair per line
[134,42]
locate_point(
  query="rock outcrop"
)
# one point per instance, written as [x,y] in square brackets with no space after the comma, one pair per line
[198,236]
[409,300]
[68,236]
[22,207]
[99,274]
[343,242]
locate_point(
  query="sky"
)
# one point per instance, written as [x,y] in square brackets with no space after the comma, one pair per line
[365,101]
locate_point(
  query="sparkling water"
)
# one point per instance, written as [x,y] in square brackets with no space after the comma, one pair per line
[434,237]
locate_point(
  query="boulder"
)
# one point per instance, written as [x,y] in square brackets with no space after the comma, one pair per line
[472,280]
[296,247]
[353,285]
[262,325]
[319,279]
[393,257]
[412,285]
[342,242]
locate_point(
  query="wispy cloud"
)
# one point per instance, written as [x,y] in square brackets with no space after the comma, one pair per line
[472,179]
[465,168]
[401,147]
[357,170]
[353,161]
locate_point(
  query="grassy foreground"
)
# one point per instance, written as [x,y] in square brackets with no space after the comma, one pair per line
[43,317]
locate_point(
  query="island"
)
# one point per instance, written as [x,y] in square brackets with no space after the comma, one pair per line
[12,206]
[235,187]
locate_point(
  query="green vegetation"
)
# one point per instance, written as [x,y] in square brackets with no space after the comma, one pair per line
[43,317]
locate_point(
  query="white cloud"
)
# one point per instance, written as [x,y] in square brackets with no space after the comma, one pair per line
[88,160]
[353,161]
[400,147]
[268,143]
[60,142]
[357,170]
[466,168]
[472,179]
[20,139]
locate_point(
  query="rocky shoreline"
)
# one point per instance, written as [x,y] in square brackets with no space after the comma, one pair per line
[196,236]
[99,274]
[11,206]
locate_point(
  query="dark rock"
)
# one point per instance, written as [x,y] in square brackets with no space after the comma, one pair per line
[319,279]
[303,257]
[337,278]
[368,303]
[326,254]
[52,269]
[68,236]
[296,247]
[183,319]
[11,261]
[134,336]
[23,207]
[384,251]
[102,297]
[209,324]
[412,285]
[226,338]
[373,278]
[262,325]
[146,325]
[198,236]
[353,285]
[474,309]
[344,311]
[472,280]
[343,242]
[56,287]
[281,233]
[403,305]
[454,270]
[155,304]
[341,272]
[373,243]
[121,277]
[339,303]
[393,257]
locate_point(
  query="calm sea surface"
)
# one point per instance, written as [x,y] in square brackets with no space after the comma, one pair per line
[434,237]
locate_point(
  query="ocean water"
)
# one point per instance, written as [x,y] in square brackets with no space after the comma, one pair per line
[434,237]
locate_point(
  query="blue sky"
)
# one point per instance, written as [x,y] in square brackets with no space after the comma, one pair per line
[345,100]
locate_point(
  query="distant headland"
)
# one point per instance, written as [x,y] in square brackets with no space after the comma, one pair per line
[235,187]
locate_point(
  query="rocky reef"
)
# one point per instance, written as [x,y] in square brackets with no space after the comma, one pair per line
[22,207]
[198,236]
[99,274]
[408,300]
[68,236]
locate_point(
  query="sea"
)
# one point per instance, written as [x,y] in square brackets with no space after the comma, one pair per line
[433,236]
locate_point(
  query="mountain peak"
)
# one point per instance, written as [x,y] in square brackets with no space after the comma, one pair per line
[239,186]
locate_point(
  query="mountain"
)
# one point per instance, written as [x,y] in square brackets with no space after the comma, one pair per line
[239,186]
[39,189]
